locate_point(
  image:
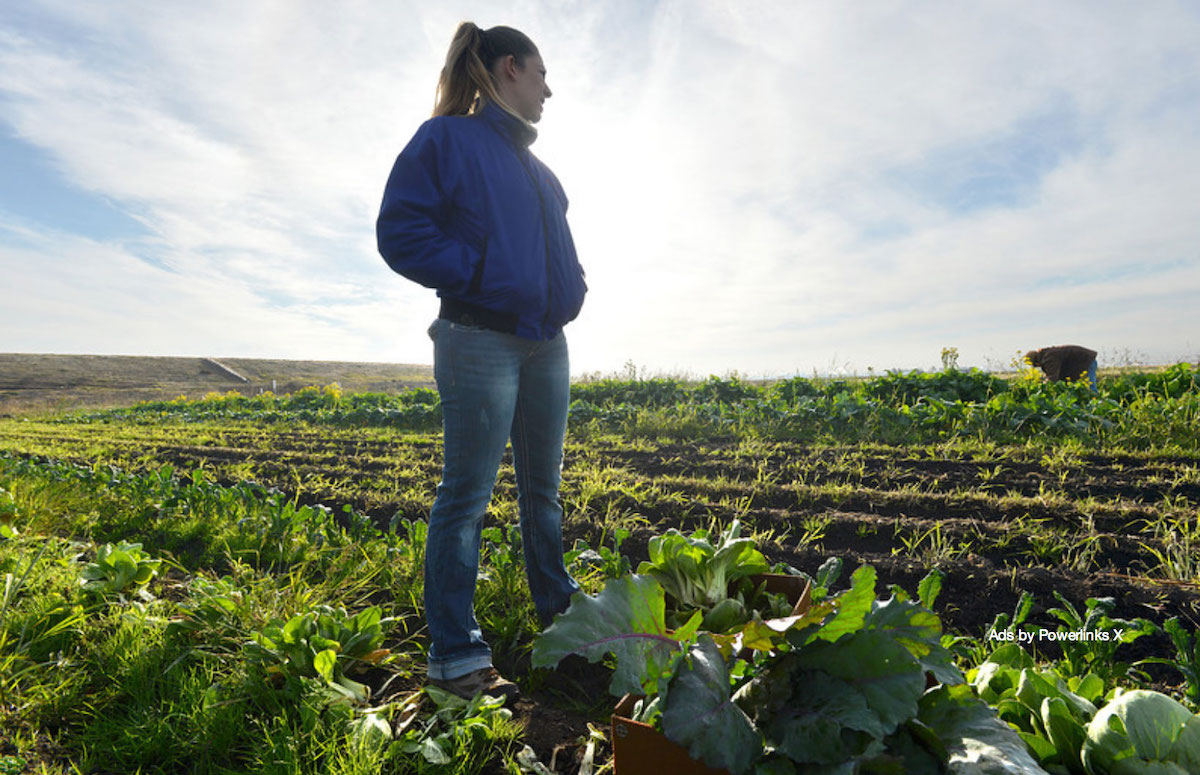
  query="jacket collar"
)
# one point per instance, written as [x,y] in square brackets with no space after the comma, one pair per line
[516,130]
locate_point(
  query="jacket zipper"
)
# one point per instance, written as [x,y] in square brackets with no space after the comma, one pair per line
[545,236]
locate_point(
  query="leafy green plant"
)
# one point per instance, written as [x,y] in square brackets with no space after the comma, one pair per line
[1073,726]
[187,516]
[1090,640]
[322,642]
[608,562]
[119,568]
[457,729]
[1008,628]
[813,529]
[931,546]
[8,515]
[278,533]
[696,574]
[1049,712]
[827,575]
[843,684]
[502,547]
[1186,659]
[212,606]
[1143,410]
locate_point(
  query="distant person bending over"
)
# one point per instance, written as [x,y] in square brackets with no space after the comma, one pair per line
[468,210]
[1065,362]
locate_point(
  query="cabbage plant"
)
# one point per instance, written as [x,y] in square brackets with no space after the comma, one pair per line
[1143,732]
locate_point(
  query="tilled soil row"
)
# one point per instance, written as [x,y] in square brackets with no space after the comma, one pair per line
[1013,530]
[1116,476]
[783,487]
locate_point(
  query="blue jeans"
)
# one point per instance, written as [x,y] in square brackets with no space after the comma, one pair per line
[493,386]
[1091,375]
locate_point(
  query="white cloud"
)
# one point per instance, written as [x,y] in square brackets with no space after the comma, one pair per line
[62,289]
[767,187]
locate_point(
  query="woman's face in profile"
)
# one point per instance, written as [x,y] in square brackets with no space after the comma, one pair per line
[527,87]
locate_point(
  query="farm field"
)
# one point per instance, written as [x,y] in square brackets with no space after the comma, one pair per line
[33,383]
[1015,493]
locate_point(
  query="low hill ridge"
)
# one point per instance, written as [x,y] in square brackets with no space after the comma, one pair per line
[39,382]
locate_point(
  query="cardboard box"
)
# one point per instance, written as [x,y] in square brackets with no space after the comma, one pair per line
[796,589]
[640,749]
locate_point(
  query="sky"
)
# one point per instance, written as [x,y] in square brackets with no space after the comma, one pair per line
[756,188]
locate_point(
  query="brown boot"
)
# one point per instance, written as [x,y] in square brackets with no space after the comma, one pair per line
[486,681]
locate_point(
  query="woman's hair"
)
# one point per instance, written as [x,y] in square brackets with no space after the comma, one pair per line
[467,75]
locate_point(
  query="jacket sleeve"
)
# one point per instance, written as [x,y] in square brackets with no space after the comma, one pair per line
[416,206]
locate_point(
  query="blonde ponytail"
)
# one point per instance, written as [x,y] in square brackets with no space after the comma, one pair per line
[466,79]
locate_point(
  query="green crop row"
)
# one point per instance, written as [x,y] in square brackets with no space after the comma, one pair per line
[158,621]
[1134,410]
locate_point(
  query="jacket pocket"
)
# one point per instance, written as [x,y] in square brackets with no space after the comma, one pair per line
[477,276]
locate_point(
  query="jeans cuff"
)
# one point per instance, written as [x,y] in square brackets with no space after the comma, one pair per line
[448,670]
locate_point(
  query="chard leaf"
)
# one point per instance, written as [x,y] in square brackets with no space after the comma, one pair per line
[367,618]
[700,714]
[295,629]
[766,635]
[1034,688]
[770,691]
[687,633]
[1088,687]
[853,605]
[122,563]
[930,587]
[93,573]
[829,572]
[433,752]
[1042,748]
[142,574]
[1011,655]
[370,730]
[627,620]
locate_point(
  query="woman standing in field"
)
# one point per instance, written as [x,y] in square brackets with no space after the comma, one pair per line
[468,210]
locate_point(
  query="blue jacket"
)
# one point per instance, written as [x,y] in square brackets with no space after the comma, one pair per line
[468,210]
